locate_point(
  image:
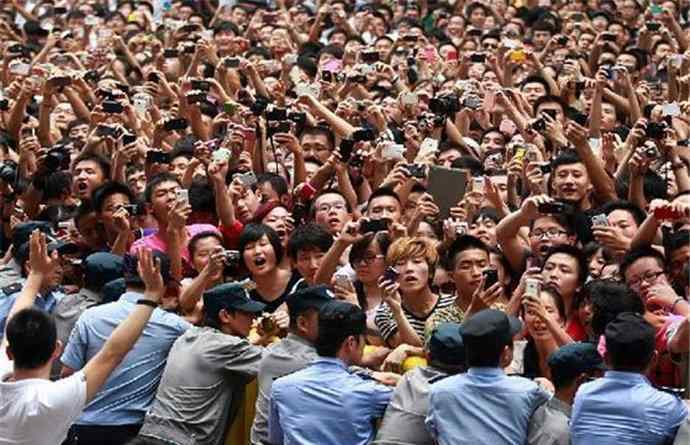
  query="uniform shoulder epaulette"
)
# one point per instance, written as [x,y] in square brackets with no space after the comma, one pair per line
[11,289]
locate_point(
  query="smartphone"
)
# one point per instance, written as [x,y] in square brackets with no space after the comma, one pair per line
[247,179]
[280,127]
[182,195]
[200,84]
[462,229]
[171,53]
[552,208]
[390,274]
[157,157]
[608,37]
[135,209]
[667,213]
[416,170]
[20,69]
[128,138]
[532,288]
[345,149]
[230,108]
[307,192]
[551,113]
[600,220]
[363,134]
[221,155]
[478,58]
[59,81]
[153,77]
[112,107]
[276,114]
[196,97]
[518,56]
[231,258]
[231,62]
[653,26]
[176,124]
[478,184]
[490,277]
[373,226]
[370,57]
[343,280]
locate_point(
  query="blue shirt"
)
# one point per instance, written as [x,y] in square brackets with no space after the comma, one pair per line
[131,388]
[324,404]
[45,302]
[482,406]
[624,408]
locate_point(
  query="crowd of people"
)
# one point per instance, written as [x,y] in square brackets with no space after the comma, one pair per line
[344,222]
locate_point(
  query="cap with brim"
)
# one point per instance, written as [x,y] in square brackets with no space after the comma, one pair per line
[230,296]
[131,272]
[573,359]
[490,327]
[341,317]
[22,232]
[446,345]
[113,290]
[21,255]
[101,268]
[313,297]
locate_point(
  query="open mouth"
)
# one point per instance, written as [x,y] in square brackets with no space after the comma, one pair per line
[259,261]
[81,186]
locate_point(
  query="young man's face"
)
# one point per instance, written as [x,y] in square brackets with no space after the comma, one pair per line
[624,221]
[561,271]
[163,200]
[308,262]
[331,212]
[88,176]
[643,274]
[571,182]
[111,204]
[533,91]
[547,232]
[384,207]
[468,268]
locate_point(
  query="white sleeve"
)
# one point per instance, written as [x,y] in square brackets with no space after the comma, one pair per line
[6,365]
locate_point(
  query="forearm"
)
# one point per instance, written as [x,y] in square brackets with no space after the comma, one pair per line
[406,334]
[340,126]
[680,342]
[603,184]
[646,234]
[174,252]
[330,262]
[224,207]
[300,170]
[346,188]
[636,192]
[321,177]
[257,82]
[507,237]
[595,114]
[16,117]
[43,134]
[558,333]
[78,105]
[121,244]
[192,293]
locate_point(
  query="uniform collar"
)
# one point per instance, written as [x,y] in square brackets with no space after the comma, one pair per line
[628,378]
[330,361]
[485,371]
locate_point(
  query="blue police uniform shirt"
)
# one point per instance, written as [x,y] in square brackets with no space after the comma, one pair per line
[482,406]
[45,302]
[131,388]
[624,408]
[324,404]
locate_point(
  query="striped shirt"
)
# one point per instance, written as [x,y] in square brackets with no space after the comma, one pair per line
[385,321]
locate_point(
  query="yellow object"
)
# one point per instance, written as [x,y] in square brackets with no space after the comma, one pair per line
[413,362]
[238,432]
[518,55]
[370,349]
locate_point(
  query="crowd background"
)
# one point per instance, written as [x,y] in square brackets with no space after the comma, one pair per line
[424,161]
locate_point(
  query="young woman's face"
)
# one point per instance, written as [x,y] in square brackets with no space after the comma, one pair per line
[275,219]
[371,266]
[535,325]
[259,257]
[203,250]
[485,230]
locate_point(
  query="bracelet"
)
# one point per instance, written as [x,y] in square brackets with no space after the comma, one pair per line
[678,300]
[146,302]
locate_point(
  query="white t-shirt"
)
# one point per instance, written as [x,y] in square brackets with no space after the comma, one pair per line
[37,411]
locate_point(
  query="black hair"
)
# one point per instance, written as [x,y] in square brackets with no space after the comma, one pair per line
[549,98]
[258,51]
[107,190]
[640,252]
[486,355]
[254,232]
[102,162]
[309,236]
[461,244]
[32,338]
[383,191]
[539,80]
[492,130]
[637,213]
[564,220]
[57,184]
[544,25]
[201,197]
[565,157]
[610,298]
[336,326]
[471,163]
[85,209]
[155,182]
[574,252]
[329,191]
[226,26]
[631,358]
[318,129]
[360,246]
[277,182]
[486,213]
[191,245]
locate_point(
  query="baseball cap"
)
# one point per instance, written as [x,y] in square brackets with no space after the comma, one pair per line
[233,296]
[131,263]
[630,337]
[113,290]
[101,268]
[21,255]
[573,359]
[341,317]
[445,344]
[490,327]
[313,297]
[22,232]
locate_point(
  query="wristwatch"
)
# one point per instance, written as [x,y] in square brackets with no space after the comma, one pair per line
[146,302]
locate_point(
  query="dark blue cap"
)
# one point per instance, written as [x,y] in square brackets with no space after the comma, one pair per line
[573,359]
[131,271]
[445,344]
[101,268]
[313,297]
[232,296]
[113,290]
[490,327]
[22,232]
[341,317]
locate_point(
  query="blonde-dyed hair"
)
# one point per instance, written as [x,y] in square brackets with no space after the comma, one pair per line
[413,247]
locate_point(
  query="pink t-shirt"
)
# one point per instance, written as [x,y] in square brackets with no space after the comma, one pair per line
[155,242]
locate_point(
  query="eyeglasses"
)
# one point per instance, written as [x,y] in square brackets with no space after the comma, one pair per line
[648,277]
[327,207]
[367,259]
[551,233]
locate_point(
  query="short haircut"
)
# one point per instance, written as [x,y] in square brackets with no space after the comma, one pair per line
[548,98]
[312,210]
[309,236]
[98,159]
[336,326]
[470,163]
[636,212]
[32,338]
[537,79]
[413,247]
[155,182]
[191,245]
[641,252]
[57,184]
[254,232]
[318,130]
[565,157]
[277,182]
[610,298]
[627,357]
[383,191]
[461,244]
[107,190]
[574,252]
[563,220]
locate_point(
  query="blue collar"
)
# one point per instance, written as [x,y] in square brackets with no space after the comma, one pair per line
[131,297]
[628,378]
[330,361]
[486,371]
